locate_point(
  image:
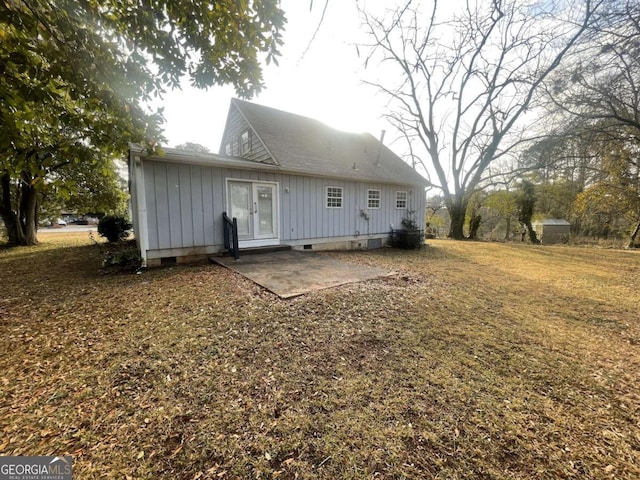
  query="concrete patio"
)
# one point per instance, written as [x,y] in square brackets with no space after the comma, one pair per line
[292,273]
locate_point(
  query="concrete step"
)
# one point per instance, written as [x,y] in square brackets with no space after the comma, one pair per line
[270,249]
[257,251]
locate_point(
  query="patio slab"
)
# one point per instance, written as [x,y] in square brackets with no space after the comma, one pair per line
[292,273]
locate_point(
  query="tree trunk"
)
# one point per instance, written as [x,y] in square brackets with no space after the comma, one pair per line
[20,223]
[457,211]
[14,230]
[30,197]
[508,229]
[11,222]
[28,204]
[632,239]
[474,225]
[533,238]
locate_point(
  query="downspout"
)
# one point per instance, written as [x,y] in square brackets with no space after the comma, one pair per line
[141,208]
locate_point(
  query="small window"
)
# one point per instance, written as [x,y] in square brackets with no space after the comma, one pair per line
[245,142]
[373,198]
[401,200]
[334,197]
[227,149]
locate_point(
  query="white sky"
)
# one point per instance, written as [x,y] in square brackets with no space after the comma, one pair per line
[325,84]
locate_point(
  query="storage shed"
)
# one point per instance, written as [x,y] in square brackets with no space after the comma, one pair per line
[552,230]
[287,180]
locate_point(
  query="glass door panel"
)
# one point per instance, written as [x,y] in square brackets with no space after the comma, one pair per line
[241,207]
[265,218]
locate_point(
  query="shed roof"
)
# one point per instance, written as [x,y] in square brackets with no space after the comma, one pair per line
[307,146]
[552,221]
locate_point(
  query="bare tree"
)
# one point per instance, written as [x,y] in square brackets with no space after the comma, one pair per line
[468,81]
[602,82]
[599,90]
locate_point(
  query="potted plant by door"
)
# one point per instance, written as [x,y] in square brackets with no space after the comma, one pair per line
[409,238]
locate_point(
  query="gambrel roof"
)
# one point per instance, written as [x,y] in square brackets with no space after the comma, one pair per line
[302,145]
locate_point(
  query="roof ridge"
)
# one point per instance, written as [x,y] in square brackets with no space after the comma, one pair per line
[292,114]
[306,144]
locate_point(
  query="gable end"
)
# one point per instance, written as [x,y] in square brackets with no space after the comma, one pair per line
[241,140]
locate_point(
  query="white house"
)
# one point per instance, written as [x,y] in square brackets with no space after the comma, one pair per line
[287,179]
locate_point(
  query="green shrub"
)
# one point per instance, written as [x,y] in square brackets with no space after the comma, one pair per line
[126,259]
[114,228]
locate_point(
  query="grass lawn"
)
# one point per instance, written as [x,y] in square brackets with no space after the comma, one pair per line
[478,360]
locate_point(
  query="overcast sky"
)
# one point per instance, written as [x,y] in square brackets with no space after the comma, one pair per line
[325,83]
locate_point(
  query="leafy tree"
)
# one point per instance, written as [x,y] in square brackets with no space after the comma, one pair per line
[615,196]
[92,190]
[468,81]
[83,190]
[525,201]
[504,204]
[74,74]
[192,147]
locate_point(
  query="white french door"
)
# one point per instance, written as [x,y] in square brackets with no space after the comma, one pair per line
[255,206]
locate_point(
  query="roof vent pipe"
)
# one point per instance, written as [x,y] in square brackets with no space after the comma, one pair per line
[380,147]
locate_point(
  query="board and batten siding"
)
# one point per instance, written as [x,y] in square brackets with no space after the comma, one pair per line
[184,205]
[236,126]
[304,214]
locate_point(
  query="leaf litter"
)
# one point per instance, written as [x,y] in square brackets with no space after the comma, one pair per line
[476,360]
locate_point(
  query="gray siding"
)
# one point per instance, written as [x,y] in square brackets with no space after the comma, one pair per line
[236,125]
[185,205]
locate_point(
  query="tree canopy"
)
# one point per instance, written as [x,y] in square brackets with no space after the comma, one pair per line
[75,74]
[192,147]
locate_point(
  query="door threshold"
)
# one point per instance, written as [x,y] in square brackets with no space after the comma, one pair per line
[258,243]
[265,249]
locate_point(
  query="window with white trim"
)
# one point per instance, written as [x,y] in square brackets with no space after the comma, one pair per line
[245,142]
[227,149]
[334,197]
[401,200]
[373,198]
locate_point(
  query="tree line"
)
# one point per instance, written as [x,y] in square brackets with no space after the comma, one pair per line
[518,108]
[534,102]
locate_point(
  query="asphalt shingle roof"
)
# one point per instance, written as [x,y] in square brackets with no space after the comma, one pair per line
[304,145]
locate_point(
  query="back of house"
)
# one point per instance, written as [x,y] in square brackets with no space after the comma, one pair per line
[287,179]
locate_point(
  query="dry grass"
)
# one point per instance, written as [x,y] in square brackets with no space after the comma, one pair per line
[477,361]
